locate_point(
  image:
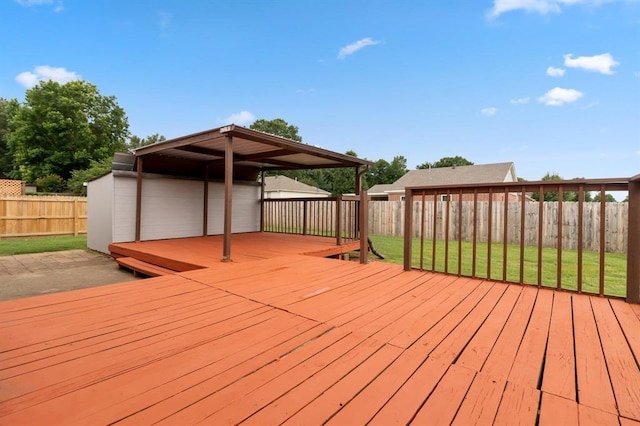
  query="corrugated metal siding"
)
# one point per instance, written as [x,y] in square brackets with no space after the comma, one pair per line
[124,209]
[172,208]
[245,210]
[100,213]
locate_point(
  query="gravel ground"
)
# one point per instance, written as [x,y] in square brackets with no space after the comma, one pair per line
[41,273]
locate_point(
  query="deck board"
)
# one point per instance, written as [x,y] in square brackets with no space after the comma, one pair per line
[289,338]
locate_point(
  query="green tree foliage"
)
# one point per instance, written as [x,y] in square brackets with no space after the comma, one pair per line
[50,183]
[137,142]
[63,127]
[607,198]
[277,127]
[567,195]
[446,162]
[8,109]
[75,184]
[384,172]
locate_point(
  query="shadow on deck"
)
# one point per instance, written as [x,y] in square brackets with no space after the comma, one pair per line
[300,339]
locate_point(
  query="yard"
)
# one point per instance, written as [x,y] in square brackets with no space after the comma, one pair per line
[19,245]
[615,263]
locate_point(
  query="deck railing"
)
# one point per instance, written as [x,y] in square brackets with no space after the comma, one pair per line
[452,229]
[327,217]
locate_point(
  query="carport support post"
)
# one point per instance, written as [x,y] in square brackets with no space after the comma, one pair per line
[205,205]
[261,200]
[138,196]
[364,227]
[228,197]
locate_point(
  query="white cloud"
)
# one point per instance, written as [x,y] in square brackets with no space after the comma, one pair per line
[489,111]
[352,48]
[542,7]
[28,3]
[597,63]
[241,118]
[43,73]
[555,72]
[559,96]
[520,101]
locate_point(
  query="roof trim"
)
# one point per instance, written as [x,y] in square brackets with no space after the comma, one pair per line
[233,130]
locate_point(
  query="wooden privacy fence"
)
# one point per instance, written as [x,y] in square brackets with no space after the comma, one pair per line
[28,216]
[387,218]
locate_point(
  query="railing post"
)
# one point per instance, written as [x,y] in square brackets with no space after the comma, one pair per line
[408,227]
[304,217]
[339,220]
[364,227]
[633,242]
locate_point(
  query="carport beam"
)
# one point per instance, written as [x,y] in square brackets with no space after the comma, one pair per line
[138,196]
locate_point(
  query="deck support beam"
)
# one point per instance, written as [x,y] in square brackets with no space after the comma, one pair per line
[228,198]
[633,242]
[138,197]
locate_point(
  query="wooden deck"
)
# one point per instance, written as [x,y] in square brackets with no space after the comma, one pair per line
[185,254]
[299,339]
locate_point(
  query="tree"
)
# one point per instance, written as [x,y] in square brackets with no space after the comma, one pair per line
[566,195]
[75,184]
[277,127]
[63,127]
[608,198]
[384,172]
[446,162]
[137,142]
[8,109]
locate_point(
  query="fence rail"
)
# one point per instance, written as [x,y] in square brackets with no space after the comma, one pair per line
[434,232]
[29,216]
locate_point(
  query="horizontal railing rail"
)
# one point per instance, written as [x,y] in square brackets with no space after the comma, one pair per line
[327,217]
[437,235]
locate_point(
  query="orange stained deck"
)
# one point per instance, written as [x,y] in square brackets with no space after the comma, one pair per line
[183,254]
[307,340]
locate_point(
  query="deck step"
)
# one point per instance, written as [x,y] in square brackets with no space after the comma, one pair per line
[143,267]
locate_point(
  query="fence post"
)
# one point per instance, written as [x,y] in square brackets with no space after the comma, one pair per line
[338,220]
[364,227]
[633,242]
[408,225]
[75,218]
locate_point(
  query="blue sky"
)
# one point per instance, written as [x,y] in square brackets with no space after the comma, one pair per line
[553,85]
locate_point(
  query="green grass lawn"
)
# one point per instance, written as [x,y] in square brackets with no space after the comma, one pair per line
[11,246]
[615,263]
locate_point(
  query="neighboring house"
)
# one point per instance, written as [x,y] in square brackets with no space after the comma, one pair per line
[456,175]
[285,187]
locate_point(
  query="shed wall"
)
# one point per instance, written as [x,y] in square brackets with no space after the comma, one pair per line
[100,213]
[245,208]
[172,208]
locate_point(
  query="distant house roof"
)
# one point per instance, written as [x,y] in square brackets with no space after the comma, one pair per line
[284,183]
[380,189]
[481,173]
